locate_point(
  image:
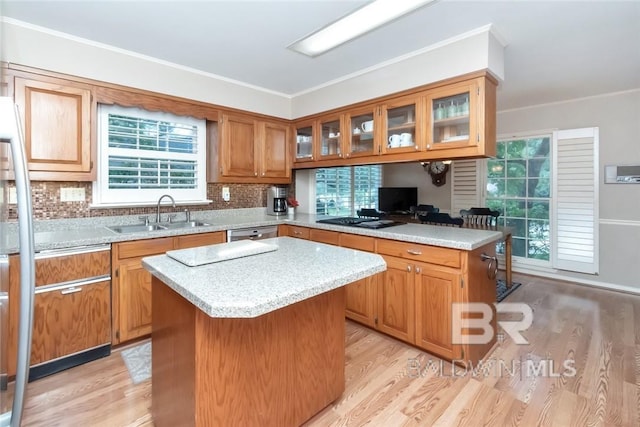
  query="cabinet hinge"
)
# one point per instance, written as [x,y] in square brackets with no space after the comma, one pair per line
[478,91]
[462,283]
[462,354]
[117,335]
[117,272]
[478,137]
[375,320]
[379,149]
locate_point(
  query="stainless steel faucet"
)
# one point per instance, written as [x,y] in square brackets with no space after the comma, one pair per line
[158,206]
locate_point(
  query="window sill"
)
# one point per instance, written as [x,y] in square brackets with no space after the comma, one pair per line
[165,203]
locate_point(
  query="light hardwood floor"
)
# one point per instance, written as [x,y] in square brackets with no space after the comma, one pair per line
[598,329]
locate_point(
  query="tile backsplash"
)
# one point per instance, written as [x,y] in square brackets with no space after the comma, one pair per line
[47,203]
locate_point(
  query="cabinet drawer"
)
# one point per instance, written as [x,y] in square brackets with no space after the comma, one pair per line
[68,319]
[60,267]
[324,236]
[354,241]
[144,247]
[204,239]
[299,232]
[412,251]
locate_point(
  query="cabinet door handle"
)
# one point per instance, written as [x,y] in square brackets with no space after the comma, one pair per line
[409,268]
[414,252]
[70,290]
[418,271]
[492,267]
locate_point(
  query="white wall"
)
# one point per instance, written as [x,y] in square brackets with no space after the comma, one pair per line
[477,50]
[34,46]
[618,117]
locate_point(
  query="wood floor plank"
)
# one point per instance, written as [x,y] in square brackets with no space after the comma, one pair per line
[598,329]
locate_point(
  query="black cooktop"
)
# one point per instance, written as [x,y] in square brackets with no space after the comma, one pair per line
[360,222]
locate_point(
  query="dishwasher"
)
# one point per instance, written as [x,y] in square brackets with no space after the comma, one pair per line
[252,233]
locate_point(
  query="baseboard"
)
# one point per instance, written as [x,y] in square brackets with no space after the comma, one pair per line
[579,281]
[57,365]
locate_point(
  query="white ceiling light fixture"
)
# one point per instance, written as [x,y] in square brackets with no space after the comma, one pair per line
[357,23]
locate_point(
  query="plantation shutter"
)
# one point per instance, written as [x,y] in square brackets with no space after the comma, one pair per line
[466,185]
[575,200]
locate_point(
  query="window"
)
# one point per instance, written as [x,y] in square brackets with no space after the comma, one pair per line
[143,155]
[519,186]
[342,191]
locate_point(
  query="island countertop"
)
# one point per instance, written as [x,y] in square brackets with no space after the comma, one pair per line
[255,285]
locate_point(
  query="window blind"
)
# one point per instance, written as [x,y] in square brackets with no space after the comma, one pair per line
[466,185]
[575,201]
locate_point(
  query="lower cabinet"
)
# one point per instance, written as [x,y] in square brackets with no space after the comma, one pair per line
[435,291]
[412,300]
[132,282]
[70,319]
[395,300]
[72,310]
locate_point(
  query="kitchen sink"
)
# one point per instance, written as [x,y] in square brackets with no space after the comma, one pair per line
[184,224]
[136,228]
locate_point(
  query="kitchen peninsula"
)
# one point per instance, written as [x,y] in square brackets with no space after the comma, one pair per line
[257,340]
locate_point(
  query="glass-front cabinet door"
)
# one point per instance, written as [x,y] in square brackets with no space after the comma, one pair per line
[452,114]
[305,136]
[402,121]
[330,138]
[362,128]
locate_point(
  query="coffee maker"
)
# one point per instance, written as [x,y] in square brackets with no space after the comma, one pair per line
[277,201]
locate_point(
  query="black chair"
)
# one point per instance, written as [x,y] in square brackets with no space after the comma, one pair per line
[440,218]
[480,217]
[423,209]
[370,213]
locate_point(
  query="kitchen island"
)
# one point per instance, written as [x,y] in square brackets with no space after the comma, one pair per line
[257,340]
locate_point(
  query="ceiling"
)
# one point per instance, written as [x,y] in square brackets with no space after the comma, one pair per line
[556,50]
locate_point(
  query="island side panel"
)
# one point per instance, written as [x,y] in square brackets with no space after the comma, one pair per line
[320,348]
[277,369]
[480,288]
[173,357]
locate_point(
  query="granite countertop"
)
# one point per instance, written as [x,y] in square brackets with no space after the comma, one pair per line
[239,288]
[67,233]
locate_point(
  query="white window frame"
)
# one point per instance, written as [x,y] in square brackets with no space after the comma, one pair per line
[103,196]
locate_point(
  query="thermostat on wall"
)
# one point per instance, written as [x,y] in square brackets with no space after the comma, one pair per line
[618,174]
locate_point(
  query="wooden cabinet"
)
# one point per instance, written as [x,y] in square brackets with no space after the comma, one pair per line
[252,150]
[395,300]
[445,120]
[58,117]
[69,319]
[72,309]
[362,123]
[294,231]
[461,119]
[305,142]
[132,287]
[132,282]
[435,291]
[324,236]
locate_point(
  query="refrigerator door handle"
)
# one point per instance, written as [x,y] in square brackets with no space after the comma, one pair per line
[12,134]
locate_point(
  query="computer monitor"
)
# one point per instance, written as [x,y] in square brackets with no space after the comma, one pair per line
[397,199]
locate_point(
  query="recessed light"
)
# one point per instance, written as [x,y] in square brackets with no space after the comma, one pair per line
[357,23]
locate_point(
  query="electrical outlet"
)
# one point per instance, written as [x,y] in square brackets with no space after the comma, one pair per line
[226,195]
[72,194]
[13,196]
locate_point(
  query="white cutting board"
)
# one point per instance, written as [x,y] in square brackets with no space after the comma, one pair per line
[194,257]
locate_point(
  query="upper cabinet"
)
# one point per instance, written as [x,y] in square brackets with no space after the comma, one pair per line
[305,142]
[57,117]
[248,150]
[445,120]
[402,122]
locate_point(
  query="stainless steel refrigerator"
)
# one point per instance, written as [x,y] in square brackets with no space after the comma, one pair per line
[12,156]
